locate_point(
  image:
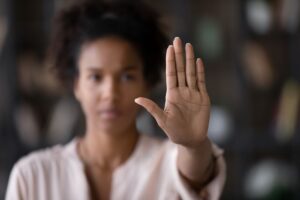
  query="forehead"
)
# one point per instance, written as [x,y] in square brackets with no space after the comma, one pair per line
[109,53]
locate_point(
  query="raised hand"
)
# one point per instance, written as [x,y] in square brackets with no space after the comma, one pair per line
[187,108]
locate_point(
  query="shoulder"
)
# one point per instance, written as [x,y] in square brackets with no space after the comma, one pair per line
[46,159]
[151,144]
[154,149]
[47,171]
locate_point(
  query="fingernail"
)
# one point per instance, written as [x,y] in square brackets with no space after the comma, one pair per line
[169,47]
[177,38]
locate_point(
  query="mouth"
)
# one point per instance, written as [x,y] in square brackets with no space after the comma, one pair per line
[110,114]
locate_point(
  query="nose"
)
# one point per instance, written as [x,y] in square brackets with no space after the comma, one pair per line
[110,90]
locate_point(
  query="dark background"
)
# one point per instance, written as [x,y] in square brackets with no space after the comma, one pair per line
[251,50]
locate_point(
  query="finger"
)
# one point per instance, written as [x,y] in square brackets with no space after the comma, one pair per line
[179,62]
[171,77]
[153,109]
[201,76]
[190,66]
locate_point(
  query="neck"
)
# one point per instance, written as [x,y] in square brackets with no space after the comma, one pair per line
[107,150]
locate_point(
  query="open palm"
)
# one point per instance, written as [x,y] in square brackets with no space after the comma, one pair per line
[186,114]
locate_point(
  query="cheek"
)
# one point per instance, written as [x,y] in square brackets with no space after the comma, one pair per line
[87,100]
[129,95]
[134,92]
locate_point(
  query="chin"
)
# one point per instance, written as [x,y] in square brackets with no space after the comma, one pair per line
[114,128]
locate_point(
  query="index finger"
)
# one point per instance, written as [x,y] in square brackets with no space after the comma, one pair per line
[171,77]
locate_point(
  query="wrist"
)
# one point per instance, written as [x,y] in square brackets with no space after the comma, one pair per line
[196,164]
[200,148]
[198,184]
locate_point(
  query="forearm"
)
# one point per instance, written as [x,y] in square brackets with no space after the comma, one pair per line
[196,165]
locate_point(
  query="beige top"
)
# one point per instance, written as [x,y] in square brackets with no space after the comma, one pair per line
[150,173]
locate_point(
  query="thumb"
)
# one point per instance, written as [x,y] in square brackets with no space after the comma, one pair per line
[152,108]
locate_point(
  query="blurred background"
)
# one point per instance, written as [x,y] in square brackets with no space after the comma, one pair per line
[251,49]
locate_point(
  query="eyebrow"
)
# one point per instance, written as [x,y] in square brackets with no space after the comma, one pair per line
[130,67]
[127,68]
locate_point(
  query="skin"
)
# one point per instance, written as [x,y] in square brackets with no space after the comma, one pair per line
[185,116]
[110,80]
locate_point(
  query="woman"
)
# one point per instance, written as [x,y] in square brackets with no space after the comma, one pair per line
[110,54]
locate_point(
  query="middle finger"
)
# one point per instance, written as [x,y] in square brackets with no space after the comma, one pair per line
[180,68]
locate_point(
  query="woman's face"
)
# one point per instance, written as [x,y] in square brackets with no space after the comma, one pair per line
[110,78]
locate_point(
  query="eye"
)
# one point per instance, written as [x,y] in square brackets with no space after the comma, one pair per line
[95,77]
[127,76]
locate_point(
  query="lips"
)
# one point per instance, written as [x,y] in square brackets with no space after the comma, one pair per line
[110,113]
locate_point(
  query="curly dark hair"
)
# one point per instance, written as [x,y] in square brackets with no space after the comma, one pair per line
[87,21]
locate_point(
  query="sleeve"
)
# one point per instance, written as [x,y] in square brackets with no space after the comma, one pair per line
[16,189]
[212,191]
